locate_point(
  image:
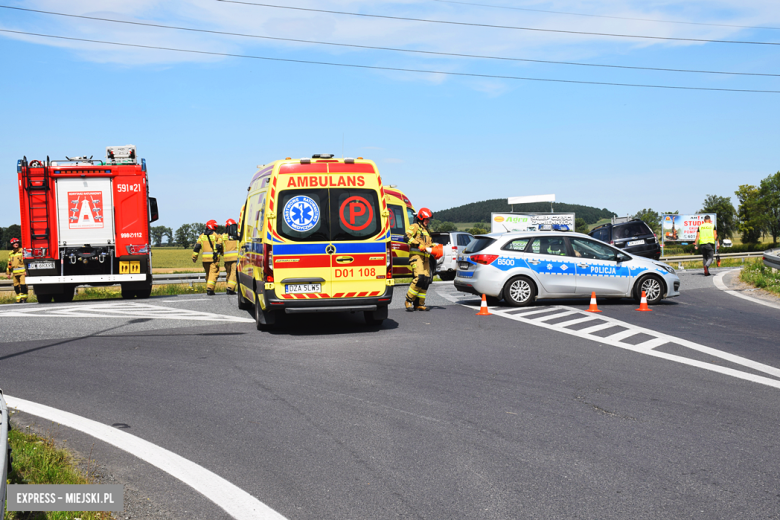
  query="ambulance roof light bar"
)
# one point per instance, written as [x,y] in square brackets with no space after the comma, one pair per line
[322,156]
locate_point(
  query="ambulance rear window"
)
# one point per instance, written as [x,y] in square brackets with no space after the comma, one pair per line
[355,214]
[304,215]
[397,224]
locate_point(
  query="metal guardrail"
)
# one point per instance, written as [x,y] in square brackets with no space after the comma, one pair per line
[5,451]
[697,258]
[157,279]
[772,259]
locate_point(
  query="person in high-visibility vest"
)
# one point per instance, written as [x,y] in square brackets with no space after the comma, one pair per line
[707,238]
[209,245]
[420,248]
[17,270]
[230,254]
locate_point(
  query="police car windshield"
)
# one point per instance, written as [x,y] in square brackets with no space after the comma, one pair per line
[323,215]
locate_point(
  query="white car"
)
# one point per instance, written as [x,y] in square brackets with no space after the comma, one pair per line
[524,266]
[727,242]
[453,244]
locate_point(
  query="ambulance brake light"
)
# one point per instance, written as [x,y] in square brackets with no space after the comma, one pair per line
[268,262]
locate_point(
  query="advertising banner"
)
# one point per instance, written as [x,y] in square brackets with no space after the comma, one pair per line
[505,222]
[681,229]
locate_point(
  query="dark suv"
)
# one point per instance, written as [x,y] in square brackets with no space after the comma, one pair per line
[633,237]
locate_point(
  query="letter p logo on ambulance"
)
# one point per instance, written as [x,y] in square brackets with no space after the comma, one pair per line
[301,213]
[356,213]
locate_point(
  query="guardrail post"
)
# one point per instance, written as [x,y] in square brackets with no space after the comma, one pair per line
[5,452]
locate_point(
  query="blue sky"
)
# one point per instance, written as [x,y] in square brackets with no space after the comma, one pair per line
[204,123]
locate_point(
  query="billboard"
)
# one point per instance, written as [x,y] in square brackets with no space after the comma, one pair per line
[682,228]
[504,222]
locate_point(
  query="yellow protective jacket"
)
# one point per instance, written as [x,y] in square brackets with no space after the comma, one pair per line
[229,248]
[16,263]
[419,240]
[209,246]
[707,233]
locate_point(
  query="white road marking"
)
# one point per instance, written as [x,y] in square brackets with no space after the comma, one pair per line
[718,281]
[236,502]
[645,347]
[118,310]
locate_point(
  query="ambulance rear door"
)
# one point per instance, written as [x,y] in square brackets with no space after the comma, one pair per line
[85,211]
[358,235]
[302,264]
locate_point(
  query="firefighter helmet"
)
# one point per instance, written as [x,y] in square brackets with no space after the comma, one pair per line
[424,213]
[230,222]
[14,241]
[211,224]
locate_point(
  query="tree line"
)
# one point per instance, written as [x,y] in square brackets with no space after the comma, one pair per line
[480,211]
[756,216]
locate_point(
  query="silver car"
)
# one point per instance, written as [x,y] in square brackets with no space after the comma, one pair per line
[521,267]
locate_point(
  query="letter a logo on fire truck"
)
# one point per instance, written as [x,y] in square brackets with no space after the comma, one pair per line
[86,209]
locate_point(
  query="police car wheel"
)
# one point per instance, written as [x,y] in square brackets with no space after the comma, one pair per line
[653,288]
[519,292]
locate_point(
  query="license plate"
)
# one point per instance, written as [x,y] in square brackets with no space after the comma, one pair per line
[636,243]
[304,288]
[41,265]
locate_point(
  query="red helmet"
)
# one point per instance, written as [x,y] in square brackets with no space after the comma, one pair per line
[211,224]
[424,213]
[230,222]
[14,241]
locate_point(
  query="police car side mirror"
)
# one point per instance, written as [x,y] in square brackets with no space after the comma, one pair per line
[623,258]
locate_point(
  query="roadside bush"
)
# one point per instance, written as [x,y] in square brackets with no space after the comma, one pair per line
[761,276]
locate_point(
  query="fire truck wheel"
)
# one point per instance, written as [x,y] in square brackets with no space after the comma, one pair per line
[127,294]
[64,297]
[45,298]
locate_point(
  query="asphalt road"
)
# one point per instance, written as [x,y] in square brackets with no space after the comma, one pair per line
[437,415]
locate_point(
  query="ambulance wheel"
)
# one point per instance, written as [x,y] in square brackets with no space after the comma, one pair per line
[243,303]
[653,287]
[65,296]
[265,320]
[45,298]
[375,318]
[519,292]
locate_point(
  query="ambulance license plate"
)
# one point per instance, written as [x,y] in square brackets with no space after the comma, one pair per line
[41,265]
[304,288]
[636,243]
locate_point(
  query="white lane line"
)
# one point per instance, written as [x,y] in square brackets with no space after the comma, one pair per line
[236,502]
[123,310]
[718,281]
[657,340]
[555,316]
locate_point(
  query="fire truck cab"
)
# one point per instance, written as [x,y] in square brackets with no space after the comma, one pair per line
[86,222]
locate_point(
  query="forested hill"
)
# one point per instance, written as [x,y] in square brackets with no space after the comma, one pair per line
[480,211]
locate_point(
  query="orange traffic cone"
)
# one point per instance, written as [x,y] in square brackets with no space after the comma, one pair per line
[483,309]
[643,304]
[593,307]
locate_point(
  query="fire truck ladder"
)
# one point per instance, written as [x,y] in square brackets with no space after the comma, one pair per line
[38,198]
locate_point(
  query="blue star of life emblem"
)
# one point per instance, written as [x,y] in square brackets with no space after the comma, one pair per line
[301,213]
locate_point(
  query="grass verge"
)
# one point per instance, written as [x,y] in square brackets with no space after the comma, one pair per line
[38,460]
[761,276]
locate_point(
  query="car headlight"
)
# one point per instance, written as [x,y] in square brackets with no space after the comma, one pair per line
[667,268]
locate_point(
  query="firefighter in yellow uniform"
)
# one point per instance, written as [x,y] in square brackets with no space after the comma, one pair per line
[420,248]
[209,245]
[17,270]
[230,254]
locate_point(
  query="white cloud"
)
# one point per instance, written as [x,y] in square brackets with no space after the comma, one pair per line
[223,16]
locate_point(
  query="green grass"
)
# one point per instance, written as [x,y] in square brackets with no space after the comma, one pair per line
[38,460]
[761,276]
[173,257]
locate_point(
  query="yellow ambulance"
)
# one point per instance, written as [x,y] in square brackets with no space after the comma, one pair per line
[315,237]
[401,218]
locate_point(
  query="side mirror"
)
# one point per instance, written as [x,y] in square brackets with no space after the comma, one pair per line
[623,258]
[153,213]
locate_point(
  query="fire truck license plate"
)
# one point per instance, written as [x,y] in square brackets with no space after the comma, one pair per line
[304,288]
[41,265]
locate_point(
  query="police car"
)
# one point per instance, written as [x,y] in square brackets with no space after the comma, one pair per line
[523,266]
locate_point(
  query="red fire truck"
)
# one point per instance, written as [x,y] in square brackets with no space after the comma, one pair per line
[86,222]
